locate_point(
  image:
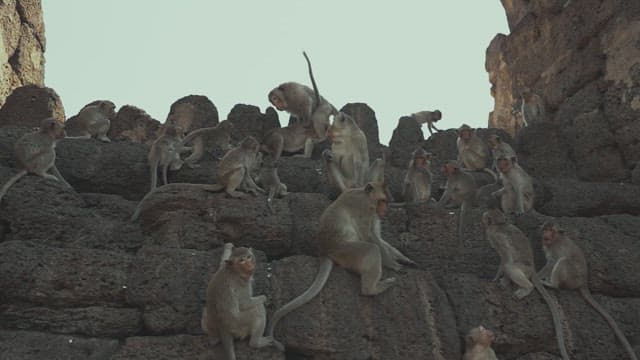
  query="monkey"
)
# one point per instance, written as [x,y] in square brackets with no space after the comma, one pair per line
[182,116]
[304,103]
[417,181]
[516,262]
[460,190]
[516,195]
[231,311]
[347,162]
[472,151]
[566,268]
[35,153]
[232,173]
[292,138]
[429,117]
[478,344]
[349,236]
[95,120]
[533,107]
[219,136]
[270,181]
[165,151]
[500,149]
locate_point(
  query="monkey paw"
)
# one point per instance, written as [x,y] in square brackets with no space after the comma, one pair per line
[327,155]
[277,344]
[521,293]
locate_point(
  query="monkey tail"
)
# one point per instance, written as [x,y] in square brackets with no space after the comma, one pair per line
[310,293]
[10,182]
[194,134]
[313,81]
[555,315]
[584,291]
[490,172]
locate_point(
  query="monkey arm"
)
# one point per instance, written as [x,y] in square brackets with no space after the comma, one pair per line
[546,269]
[226,253]
[519,199]
[498,193]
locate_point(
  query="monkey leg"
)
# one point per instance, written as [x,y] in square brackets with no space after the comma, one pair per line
[154,174]
[10,182]
[165,168]
[308,148]
[334,174]
[365,259]
[558,273]
[196,155]
[257,340]
[234,179]
[226,338]
[320,121]
[57,174]
[519,278]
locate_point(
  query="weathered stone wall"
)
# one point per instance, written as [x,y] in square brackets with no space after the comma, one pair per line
[583,58]
[22,45]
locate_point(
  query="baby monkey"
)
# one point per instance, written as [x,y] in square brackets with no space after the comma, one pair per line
[36,154]
[429,117]
[566,268]
[270,181]
[478,344]
[231,311]
[165,152]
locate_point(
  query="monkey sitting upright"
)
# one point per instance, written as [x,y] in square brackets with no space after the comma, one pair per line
[566,268]
[36,154]
[347,162]
[270,181]
[417,182]
[500,149]
[472,151]
[429,117]
[231,311]
[94,121]
[460,190]
[478,344]
[516,195]
[349,235]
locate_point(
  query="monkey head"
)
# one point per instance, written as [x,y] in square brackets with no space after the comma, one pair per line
[550,232]
[493,141]
[493,216]
[465,132]
[379,195]
[480,336]
[341,125]
[52,128]
[450,168]
[108,109]
[242,262]
[277,98]
[421,158]
[250,143]
[504,164]
[437,115]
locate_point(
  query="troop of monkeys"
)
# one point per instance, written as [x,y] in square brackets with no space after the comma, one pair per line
[349,231]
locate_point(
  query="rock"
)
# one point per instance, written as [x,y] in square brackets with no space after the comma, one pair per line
[27,345]
[406,137]
[135,125]
[28,105]
[247,120]
[342,324]
[22,55]
[205,112]
[365,117]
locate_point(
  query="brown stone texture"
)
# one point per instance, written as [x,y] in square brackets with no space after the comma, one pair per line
[581,57]
[134,125]
[28,105]
[23,44]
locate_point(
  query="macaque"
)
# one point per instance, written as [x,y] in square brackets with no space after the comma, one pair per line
[231,311]
[165,151]
[349,235]
[533,107]
[36,154]
[516,195]
[94,121]
[478,344]
[472,151]
[500,149]
[566,268]
[429,117]
[417,182]
[347,162]
[460,190]
[270,181]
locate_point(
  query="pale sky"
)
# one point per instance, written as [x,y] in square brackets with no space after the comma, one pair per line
[397,56]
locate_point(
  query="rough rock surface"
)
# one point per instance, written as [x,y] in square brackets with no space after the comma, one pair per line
[23,44]
[28,105]
[581,57]
[135,125]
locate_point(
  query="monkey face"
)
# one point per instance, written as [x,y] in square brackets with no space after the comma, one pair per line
[250,143]
[549,234]
[493,141]
[379,194]
[449,169]
[277,100]
[465,134]
[108,109]
[437,115]
[504,165]
[484,336]
[53,128]
[242,261]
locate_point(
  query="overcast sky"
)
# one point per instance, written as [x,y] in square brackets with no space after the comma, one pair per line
[397,56]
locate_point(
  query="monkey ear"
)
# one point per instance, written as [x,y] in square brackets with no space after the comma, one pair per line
[368,188]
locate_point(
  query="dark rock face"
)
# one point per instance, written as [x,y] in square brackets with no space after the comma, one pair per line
[135,125]
[581,59]
[205,112]
[28,105]
[247,120]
